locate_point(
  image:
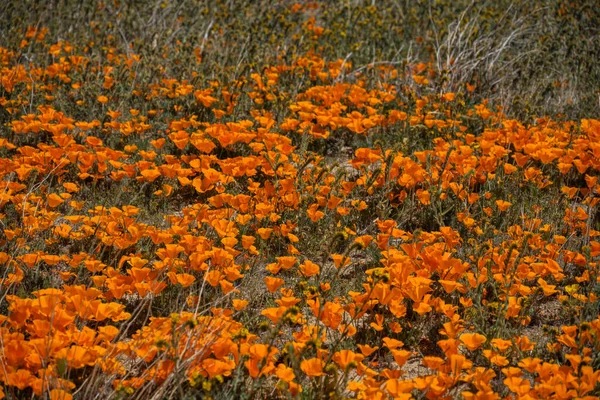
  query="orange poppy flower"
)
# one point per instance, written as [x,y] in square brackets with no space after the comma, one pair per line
[392,344]
[284,373]
[313,367]
[472,341]
[264,233]
[344,358]
[20,379]
[309,268]
[401,356]
[55,200]
[239,304]
[424,197]
[59,394]
[184,280]
[150,175]
[503,205]
[313,213]
[273,283]
[367,350]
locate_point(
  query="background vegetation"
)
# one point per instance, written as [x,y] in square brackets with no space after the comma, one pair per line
[536,57]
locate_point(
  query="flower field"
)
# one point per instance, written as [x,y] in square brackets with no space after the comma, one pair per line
[227,209]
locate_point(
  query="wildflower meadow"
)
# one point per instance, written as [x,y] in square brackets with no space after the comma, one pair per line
[312,199]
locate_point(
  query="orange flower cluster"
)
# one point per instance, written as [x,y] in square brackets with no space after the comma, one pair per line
[363,236]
